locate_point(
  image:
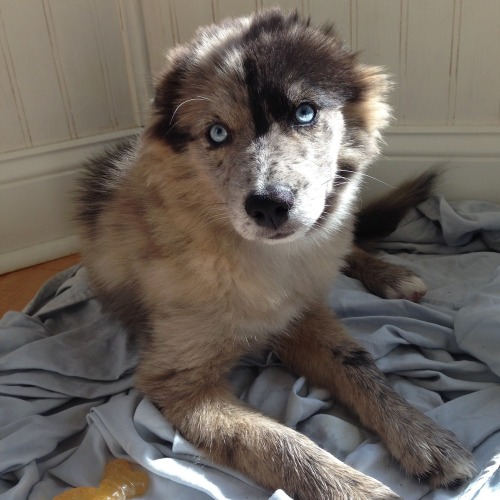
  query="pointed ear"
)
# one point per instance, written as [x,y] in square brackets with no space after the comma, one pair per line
[177,60]
[369,110]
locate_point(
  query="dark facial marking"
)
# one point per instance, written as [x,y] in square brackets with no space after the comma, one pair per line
[256,102]
[167,98]
[172,135]
[274,57]
[344,173]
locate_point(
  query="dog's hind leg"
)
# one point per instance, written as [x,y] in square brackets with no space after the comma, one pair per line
[320,349]
[384,279]
[196,401]
[377,220]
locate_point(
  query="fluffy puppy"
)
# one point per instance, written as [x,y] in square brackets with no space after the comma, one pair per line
[219,231]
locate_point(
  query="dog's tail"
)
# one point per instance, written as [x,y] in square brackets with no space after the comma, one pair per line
[381,217]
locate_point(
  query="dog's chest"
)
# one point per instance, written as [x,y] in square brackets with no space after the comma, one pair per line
[263,289]
[255,289]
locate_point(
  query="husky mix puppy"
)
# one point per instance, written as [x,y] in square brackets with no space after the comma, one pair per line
[219,231]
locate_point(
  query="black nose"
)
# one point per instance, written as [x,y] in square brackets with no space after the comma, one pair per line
[270,208]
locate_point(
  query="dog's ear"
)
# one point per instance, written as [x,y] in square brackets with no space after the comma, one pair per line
[366,113]
[169,86]
[368,110]
[182,58]
[365,87]
[170,77]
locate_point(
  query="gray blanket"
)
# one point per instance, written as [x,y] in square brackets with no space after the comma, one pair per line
[67,403]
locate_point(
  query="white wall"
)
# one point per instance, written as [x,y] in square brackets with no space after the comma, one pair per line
[73,78]
[76,74]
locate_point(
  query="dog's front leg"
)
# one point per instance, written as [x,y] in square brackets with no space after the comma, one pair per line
[320,349]
[190,391]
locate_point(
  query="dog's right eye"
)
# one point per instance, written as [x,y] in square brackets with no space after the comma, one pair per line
[218,134]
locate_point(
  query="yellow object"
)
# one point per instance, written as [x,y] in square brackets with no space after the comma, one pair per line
[122,480]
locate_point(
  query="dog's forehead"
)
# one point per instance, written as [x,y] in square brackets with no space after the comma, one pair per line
[268,64]
[277,55]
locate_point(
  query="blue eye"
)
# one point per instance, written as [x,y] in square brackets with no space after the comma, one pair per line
[218,133]
[305,114]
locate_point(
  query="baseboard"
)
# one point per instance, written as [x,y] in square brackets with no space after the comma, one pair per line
[36,254]
[35,185]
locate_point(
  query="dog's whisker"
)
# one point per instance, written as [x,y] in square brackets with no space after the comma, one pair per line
[378,180]
[197,98]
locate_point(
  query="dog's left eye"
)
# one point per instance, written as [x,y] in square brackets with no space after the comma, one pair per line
[218,134]
[305,114]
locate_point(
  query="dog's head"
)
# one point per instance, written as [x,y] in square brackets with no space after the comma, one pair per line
[278,117]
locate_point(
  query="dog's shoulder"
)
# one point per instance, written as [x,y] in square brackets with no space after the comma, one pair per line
[99,179]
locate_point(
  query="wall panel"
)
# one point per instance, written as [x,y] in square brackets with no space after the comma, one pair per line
[11,128]
[159,31]
[378,36]
[337,12]
[190,15]
[478,70]
[111,49]
[83,65]
[229,8]
[34,71]
[426,77]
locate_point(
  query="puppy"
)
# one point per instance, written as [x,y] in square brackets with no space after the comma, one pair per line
[219,231]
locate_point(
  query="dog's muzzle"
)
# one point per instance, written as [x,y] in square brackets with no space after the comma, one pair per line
[270,208]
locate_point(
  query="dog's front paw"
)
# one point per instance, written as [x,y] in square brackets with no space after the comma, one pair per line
[369,489]
[435,454]
[331,479]
[451,464]
[345,482]
[315,474]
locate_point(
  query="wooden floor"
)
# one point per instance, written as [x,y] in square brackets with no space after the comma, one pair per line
[19,287]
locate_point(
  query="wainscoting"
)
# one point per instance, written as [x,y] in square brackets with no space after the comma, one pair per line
[77,75]
[36,187]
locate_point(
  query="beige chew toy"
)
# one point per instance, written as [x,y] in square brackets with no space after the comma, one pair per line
[122,480]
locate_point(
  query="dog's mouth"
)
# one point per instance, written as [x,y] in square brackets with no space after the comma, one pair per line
[281,236]
[271,235]
[291,231]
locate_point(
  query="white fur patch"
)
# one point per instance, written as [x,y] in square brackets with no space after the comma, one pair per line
[410,288]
